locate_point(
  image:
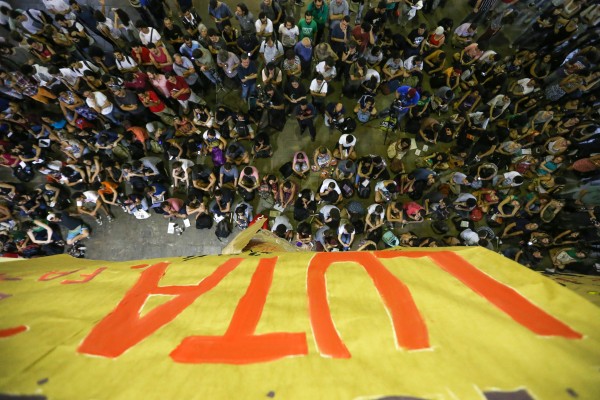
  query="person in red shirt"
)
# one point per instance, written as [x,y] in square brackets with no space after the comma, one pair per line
[141,54]
[363,34]
[181,91]
[150,99]
[136,81]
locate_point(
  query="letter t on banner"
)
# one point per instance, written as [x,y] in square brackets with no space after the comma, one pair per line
[240,345]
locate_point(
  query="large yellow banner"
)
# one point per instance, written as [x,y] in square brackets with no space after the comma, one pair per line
[443,324]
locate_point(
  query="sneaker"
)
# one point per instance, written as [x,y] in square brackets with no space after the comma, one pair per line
[99,220]
[110,218]
[299,3]
[550,270]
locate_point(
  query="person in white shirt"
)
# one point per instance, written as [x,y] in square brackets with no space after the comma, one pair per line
[498,105]
[271,50]
[264,26]
[413,64]
[147,34]
[30,21]
[282,227]
[99,102]
[327,69]
[470,237]
[89,203]
[345,149]
[5,18]
[289,33]
[318,91]
[57,6]
[464,34]
[522,87]
[330,192]
[124,62]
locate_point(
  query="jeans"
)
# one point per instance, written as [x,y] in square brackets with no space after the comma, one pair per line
[212,77]
[248,88]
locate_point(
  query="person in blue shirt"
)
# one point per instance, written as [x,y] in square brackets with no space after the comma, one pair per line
[247,74]
[188,47]
[220,13]
[406,98]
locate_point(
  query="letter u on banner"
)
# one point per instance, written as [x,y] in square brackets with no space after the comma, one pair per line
[409,328]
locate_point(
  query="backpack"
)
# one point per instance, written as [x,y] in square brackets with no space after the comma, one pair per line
[363,116]
[24,174]
[364,191]
[476,214]
[286,170]
[390,239]
[348,126]
[223,229]
[204,221]
[347,188]
[440,227]
[218,158]
[155,147]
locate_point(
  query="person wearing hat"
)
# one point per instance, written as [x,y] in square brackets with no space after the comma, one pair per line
[77,229]
[305,115]
[406,98]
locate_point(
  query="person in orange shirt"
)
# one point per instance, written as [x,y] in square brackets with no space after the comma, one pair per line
[138,134]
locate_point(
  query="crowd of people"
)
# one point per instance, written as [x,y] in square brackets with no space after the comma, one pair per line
[495,143]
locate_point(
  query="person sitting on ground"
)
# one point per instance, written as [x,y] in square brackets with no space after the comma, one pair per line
[345,149]
[77,229]
[322,159]
[90,203]
[330,192]
[365,108]
[237,153]
[301,164]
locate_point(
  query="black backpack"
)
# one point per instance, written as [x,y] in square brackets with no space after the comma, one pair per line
[223,229]
[24,174]
[347,188]
[348,126]
[286,170]
[204,221]
[364,191]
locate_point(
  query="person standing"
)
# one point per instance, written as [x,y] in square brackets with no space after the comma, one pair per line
[305,115]
[308,27]
[247,73]
[320,12]
[220,13]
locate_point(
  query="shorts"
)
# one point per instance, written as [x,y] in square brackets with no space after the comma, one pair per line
[77,231]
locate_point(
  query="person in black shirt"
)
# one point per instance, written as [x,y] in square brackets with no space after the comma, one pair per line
[274,105]
[377,17]
[221,205]
[249,44]
[484,147]
[414,41]
[305,114]
[173,34]
[191,20]
[78,230]
[293,93]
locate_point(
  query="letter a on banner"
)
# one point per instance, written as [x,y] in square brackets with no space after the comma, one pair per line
[123,327]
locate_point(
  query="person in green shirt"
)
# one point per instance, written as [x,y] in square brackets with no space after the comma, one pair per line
[308,27]
[320,13]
